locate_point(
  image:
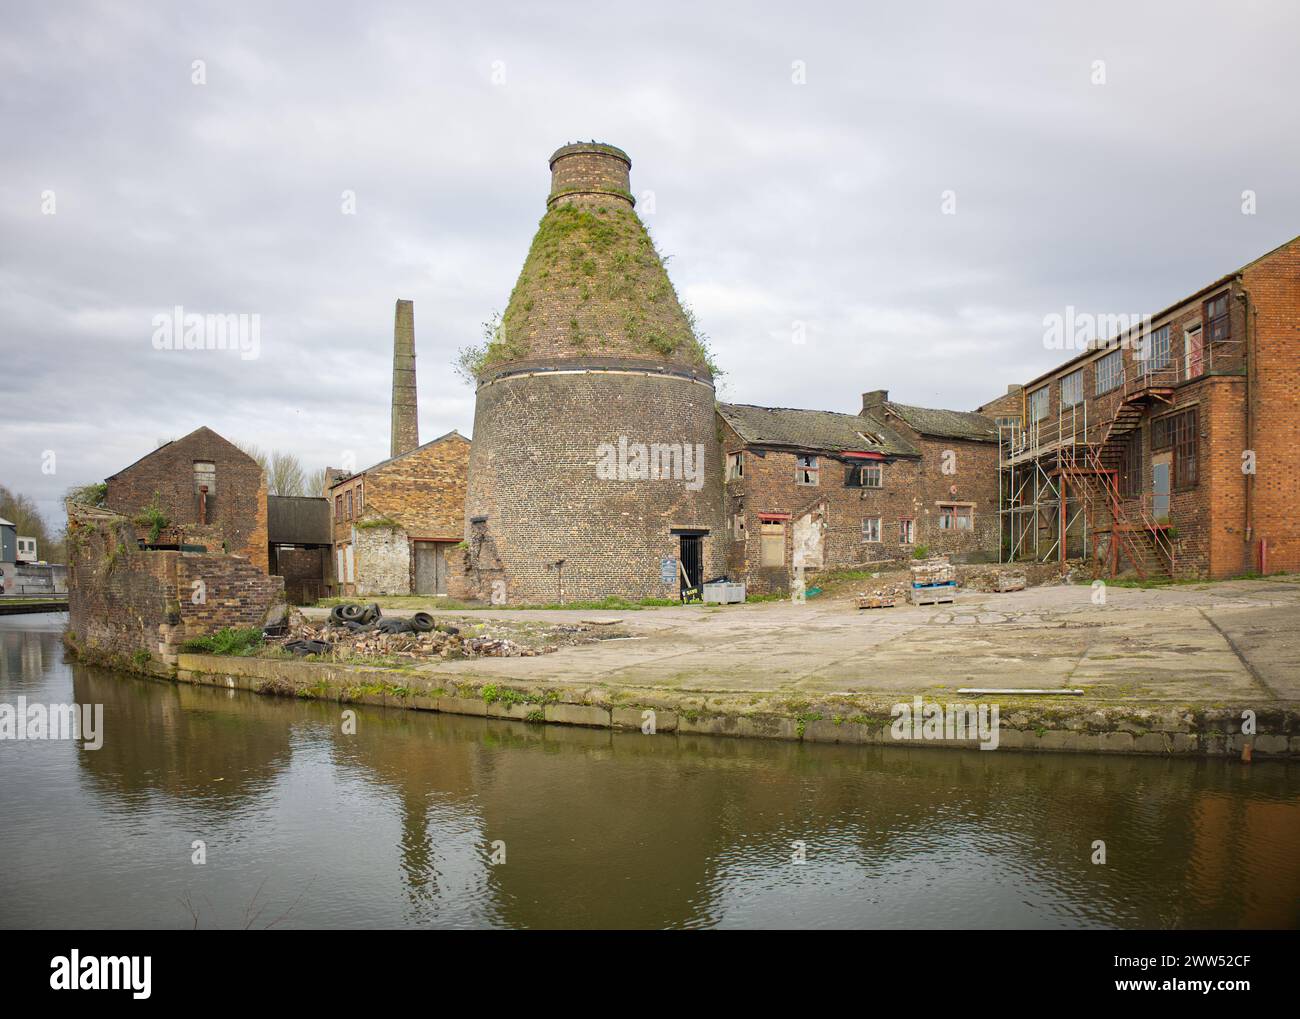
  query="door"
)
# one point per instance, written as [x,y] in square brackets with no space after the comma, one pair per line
[692,567]
[1160,488]
[1193,354]
[431,567]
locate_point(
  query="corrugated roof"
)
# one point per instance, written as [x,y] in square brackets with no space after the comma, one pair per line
[823,430]
[947,424]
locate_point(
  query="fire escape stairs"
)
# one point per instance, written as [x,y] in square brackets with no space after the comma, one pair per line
[1144,541]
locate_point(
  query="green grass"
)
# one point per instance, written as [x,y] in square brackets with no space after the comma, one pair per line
[230,641]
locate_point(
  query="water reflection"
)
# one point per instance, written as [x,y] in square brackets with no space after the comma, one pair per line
[305,826]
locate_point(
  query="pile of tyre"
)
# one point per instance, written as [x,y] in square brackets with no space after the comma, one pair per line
[369,619]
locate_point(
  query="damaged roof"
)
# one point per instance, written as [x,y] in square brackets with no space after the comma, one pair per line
[947,424]
[823,430]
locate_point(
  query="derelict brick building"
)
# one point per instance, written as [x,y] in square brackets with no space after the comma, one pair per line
[595,468]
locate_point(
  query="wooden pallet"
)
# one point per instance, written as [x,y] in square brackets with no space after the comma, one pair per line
[875,601]
[932,594]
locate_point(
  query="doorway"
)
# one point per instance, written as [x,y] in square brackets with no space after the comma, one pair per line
[691,560]
[431,567]
[1160,488]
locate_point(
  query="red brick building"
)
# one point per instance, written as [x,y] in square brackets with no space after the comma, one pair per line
[395,524]
[208,491]
[825,490]
[1169,448]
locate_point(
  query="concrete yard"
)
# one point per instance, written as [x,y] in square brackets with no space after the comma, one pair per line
[1235,642]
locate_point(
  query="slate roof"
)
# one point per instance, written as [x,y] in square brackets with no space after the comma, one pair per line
[823,430]
[946,424]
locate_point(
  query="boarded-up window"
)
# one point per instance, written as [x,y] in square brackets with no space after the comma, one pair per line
[772,544]
[205,475]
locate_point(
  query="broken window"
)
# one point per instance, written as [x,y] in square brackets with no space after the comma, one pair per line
[871,529]
[1218,323]
[1110,371]
[735,466]
[906,531]
[805,470]
[953,517]
[772,543]
[738,526]
[1072,389]
[870,475]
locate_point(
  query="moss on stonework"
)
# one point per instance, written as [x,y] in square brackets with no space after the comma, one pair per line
[592,276]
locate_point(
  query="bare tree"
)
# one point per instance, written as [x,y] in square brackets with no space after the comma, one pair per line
[315,483]
[284,475]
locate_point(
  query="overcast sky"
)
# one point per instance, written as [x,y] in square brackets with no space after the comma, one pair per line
[779,202]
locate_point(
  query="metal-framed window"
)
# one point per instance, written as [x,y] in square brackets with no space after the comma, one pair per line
[1038,404]
[1110,371]
[1072,389]
[1157,350]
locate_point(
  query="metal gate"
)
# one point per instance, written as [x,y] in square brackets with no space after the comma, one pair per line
[692,567]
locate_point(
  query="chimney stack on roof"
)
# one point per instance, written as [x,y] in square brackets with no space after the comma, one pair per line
[874,400]
[406,424]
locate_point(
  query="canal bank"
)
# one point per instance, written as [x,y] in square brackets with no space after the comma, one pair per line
[1034,723]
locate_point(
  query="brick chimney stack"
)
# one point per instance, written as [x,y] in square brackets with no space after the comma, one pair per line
[406,425]
[874,400]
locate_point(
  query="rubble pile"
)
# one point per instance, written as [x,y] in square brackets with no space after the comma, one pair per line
[422,638]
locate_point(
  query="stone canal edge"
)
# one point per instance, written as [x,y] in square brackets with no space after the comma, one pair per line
[1038,724]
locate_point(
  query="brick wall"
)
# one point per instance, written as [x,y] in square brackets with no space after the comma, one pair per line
[236,508]
[125,603]
[1273,284]
[419,496]
[912,489]
[533,475]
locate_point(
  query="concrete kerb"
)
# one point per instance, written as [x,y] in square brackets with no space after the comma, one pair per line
[1055,724]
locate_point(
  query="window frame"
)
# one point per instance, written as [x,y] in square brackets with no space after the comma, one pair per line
[735,466]
[878,530]
[907,530]
[806,470]
[1220,323]
[1075,376]
[1102,374]
[1046,393]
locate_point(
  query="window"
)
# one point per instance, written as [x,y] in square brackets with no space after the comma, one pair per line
[805,470]
[738,526]
[906,531]
[1038,404]
[1007,422]
[1184,436]
[871,529]
[870,475]
[338,507]
[1129,468]
[361,496]
[1218,323]
[1072,389]
[735,466]
[1110,371]
[956,518]
[772,543]
[205,474]
[349,504]
[1156,349]
[1162,434]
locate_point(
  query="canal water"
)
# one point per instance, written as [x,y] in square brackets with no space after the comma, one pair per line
[395,826]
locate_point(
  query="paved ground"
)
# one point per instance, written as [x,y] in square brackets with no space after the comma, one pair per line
[1229,642]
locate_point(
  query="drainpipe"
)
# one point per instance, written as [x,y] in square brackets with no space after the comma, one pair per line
[1251,336]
